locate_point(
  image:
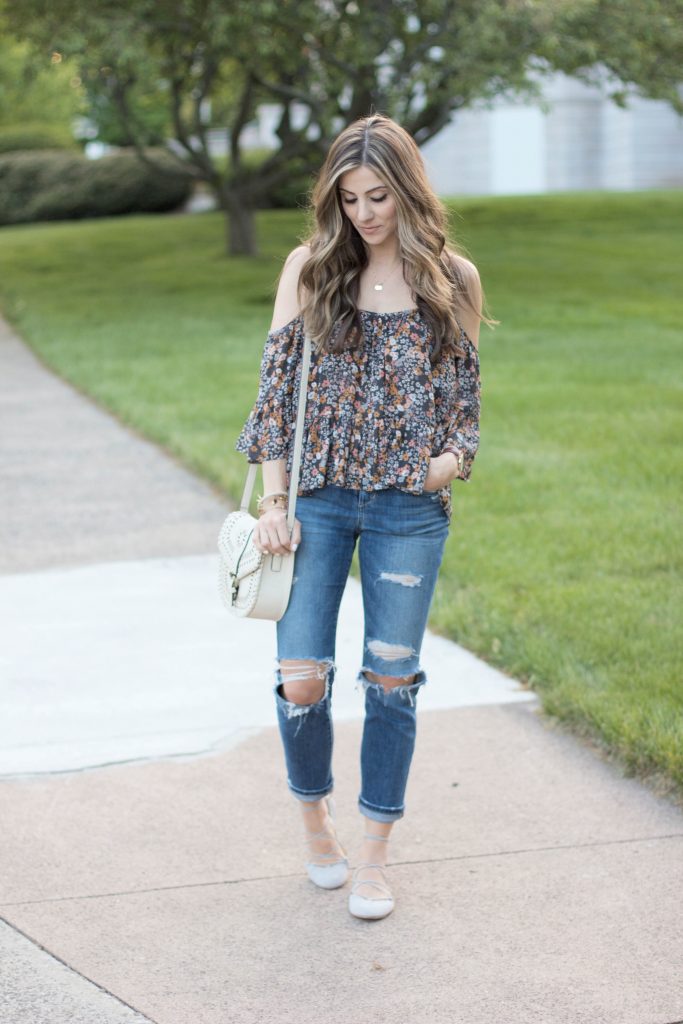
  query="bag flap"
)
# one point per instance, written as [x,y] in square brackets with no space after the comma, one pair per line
[235,544]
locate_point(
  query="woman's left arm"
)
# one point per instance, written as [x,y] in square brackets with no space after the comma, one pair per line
[462,440]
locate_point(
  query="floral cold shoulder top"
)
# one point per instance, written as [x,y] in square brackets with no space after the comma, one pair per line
[374,417]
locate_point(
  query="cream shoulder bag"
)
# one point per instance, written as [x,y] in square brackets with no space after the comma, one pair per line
[250,582]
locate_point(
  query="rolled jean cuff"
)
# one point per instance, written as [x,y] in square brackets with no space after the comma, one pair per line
[378,814]
[311,797]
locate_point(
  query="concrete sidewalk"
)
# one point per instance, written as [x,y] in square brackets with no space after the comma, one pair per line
[151,858]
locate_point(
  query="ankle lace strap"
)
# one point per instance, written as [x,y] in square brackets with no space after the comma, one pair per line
[381,887]
[381,839]
[323,834]
[331,855]
[315,805]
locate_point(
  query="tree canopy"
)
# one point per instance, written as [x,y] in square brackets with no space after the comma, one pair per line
[36,95]
[324,63]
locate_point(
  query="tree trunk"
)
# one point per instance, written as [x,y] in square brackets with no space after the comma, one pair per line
[240,225]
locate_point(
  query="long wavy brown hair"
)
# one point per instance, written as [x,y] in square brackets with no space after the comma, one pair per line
[433,265]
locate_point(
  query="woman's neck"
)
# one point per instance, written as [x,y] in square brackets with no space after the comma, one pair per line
[385,255]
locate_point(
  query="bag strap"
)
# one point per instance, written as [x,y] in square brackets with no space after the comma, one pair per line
[298,444]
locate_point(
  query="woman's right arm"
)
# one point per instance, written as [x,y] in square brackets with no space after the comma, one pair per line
[270,533]
[287,304]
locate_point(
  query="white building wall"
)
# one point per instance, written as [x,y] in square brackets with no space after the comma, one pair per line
[459,159]
[572,135]
[581,141]
[517,150]
[656,145]
[617,147]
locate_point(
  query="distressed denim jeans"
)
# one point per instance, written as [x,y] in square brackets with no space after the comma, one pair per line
[401,539]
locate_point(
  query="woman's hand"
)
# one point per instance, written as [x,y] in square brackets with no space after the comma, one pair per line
[442,469]
[271,534]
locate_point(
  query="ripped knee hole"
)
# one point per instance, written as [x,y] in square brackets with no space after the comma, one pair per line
[391,682]
[303,681]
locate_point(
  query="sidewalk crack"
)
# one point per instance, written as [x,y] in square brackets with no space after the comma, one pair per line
[397,863]
[144,1019]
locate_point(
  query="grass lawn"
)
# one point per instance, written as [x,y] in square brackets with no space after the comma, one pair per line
[563,563]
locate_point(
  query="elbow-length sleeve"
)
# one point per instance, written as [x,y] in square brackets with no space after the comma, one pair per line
[463,429]
[269,426]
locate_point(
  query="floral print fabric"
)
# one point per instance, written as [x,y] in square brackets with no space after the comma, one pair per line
[374,417]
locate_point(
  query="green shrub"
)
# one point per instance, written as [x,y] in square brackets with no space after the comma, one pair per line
[53,185]
[30,137]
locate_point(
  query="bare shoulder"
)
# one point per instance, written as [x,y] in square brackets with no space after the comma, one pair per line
[469,274]
[466,269]
[299,255]
[287,305]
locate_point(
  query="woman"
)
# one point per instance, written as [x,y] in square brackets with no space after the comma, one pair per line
[392,418]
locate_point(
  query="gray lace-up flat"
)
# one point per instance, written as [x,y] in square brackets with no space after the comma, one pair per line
[327,875]
[371,908]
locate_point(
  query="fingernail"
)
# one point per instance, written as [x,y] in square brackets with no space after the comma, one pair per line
[294,547]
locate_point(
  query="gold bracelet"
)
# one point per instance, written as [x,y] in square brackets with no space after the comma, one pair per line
[459,458]
[278,499]
[272,494]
